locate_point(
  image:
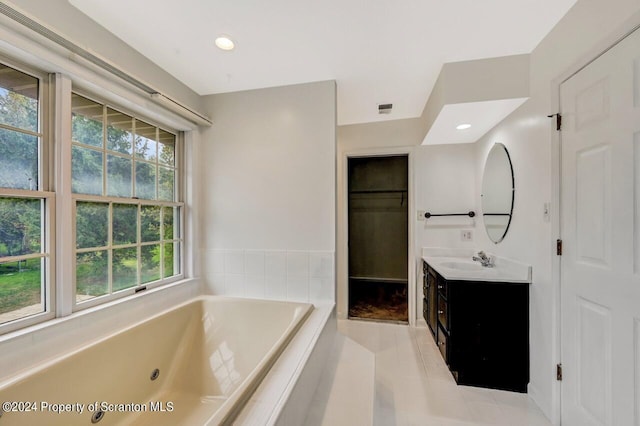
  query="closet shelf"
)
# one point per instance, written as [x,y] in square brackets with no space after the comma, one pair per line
[380,279]
[377,191]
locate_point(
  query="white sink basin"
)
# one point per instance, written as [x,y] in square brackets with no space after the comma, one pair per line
[462,266]
[456,265]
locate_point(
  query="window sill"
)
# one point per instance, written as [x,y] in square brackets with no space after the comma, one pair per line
[34,346]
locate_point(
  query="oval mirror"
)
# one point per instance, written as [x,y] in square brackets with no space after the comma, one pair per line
[497,193]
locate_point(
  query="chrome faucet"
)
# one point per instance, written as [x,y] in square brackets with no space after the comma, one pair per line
[486,261]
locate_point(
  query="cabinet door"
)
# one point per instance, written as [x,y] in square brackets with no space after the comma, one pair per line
[426,282]
[489,328]
[432,300]
[442,313]
[442,344]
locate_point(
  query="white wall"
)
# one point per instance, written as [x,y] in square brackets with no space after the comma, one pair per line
[267,173]
[529,136]
[445,177]
[396,133]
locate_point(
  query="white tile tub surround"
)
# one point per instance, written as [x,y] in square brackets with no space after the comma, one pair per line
[234,262]
[294,275]
[276,263]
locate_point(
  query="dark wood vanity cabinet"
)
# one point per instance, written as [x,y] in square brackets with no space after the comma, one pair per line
[481,328]
[429,303]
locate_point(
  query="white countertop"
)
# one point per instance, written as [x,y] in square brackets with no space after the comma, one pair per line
[456,264]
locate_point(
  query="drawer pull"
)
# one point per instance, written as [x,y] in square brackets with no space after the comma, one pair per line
[440,312]
[440,343]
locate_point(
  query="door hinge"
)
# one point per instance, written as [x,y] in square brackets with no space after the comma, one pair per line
[559,247]
[559,372]
[558,117]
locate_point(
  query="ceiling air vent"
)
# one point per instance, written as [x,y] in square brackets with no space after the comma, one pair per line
[385,108]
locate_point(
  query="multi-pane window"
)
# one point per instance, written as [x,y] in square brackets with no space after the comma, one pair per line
[127,214]
[24,254]
[125,202]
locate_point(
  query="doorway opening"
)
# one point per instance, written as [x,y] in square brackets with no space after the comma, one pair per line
[378,210]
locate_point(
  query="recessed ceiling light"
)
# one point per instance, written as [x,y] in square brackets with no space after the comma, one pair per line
[464,126]
[225,43]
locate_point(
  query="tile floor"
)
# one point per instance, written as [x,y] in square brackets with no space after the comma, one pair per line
[410,385]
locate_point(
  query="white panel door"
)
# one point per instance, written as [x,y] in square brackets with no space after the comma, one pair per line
[600,226]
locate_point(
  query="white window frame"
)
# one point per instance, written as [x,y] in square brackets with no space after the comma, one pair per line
[70,304]
[55,190]
[44,193]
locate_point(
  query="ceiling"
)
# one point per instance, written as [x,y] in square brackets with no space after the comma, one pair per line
[378,51]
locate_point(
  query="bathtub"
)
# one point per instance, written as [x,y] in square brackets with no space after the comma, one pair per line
[196,364]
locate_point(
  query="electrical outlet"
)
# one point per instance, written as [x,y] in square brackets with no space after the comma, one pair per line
[421,214]
[466,235]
